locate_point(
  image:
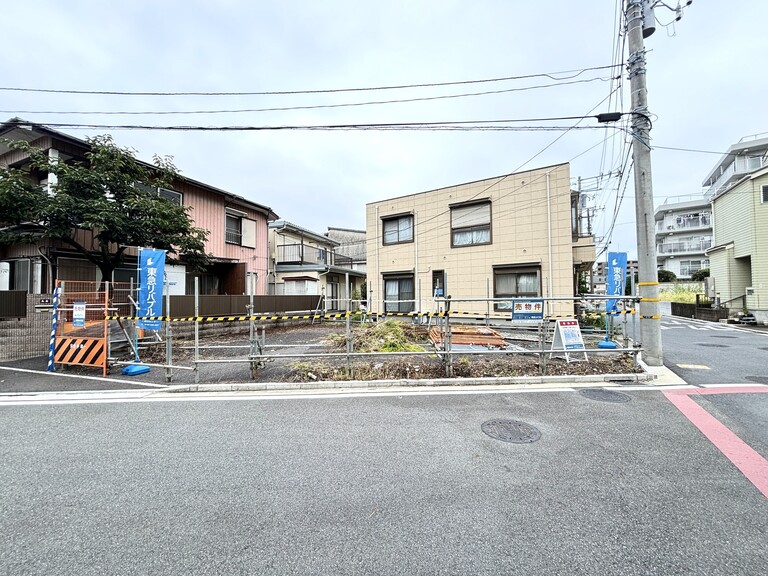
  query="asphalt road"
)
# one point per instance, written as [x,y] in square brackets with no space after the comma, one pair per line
[373,485]
[710,353]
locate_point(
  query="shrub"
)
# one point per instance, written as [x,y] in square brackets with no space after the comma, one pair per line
[700,275]
[667,276]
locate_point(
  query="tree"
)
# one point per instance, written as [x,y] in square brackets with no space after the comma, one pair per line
[109,192]
[700,275]
[667,276]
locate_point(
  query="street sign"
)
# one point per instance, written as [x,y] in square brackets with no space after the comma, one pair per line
[568,337]
[528,310]
[78,314]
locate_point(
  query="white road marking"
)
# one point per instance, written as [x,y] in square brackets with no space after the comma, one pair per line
[694,366]
[98,378]
[132,397]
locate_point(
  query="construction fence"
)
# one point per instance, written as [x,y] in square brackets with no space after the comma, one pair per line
[237,338]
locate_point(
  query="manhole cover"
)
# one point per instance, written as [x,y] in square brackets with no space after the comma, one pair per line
[604,395]
[713,345]
[511,431]
[757,379]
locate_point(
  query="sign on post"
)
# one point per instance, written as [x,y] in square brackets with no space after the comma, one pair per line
[151,272]
[528,310]
[568,337]
[616,275]
[78,314]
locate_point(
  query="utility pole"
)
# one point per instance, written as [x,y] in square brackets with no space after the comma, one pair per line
[648,284]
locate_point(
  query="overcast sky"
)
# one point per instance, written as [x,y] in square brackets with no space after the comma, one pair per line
[705,77]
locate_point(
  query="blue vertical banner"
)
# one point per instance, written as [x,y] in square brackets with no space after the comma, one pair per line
[616,274]
[151,274]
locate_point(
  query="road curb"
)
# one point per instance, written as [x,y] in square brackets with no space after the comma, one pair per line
[596,380]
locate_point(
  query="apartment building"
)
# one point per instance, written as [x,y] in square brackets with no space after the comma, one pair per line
[683,235]
[512,236]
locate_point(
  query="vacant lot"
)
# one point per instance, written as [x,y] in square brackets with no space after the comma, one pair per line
[302,352]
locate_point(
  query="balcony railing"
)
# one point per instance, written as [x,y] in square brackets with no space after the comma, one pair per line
[686,224]
[303,254]
[683,247]
[739,167]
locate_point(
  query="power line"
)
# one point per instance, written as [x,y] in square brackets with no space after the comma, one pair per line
[442,125]
[551,75]
[308,107]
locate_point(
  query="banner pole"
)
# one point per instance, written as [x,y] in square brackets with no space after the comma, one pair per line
[54,324]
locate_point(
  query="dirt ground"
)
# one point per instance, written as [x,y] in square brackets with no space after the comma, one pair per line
[318,340]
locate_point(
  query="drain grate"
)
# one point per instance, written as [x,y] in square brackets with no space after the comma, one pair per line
[766,349]
[604,395]
[514,431]
[724,336]
[713,345]
[757,379]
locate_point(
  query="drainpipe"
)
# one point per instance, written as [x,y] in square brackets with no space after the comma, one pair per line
[49,286]
[322,289]
[376,279]
[549,246]
[417,304]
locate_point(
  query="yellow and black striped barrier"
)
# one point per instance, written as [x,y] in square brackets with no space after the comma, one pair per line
[234,318]
[339,315]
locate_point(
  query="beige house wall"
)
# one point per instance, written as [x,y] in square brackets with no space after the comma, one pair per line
[741,217]
[758,302]
[733,220]
[530,225]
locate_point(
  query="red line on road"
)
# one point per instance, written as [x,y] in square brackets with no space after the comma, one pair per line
[749,462]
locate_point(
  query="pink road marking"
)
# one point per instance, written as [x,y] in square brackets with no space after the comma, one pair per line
[747,460]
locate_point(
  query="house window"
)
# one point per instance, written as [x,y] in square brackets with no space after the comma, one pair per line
[398,229]
[300,286]
[515,282]
[688,267]
[471,224]
[234,229]
[765,195]
[399,294]
[170,195]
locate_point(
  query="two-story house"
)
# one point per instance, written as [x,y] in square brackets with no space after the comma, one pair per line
[516,235]
[683,235]
[739,257]
[305,262]
[237,240]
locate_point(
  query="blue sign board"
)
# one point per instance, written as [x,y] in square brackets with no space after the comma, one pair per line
[616,274]
[151,273]
[528,310]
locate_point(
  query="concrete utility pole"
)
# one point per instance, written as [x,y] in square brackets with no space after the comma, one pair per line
[647,285]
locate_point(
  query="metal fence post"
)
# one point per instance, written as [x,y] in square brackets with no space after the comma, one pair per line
[447,342]
[197,329]
[168,337]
